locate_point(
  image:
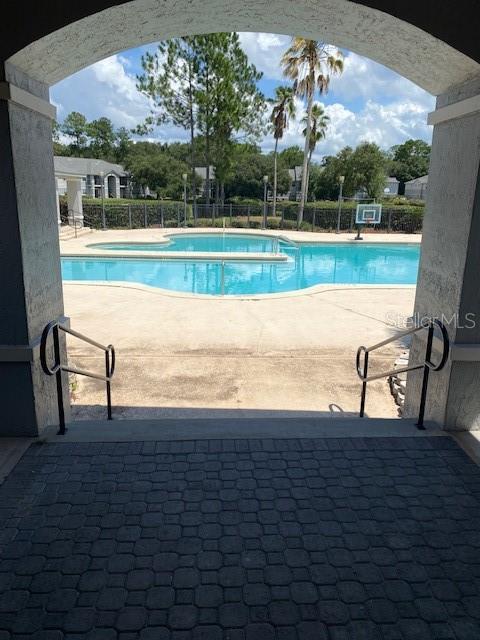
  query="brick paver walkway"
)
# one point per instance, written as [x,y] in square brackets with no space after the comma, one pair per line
[247,540]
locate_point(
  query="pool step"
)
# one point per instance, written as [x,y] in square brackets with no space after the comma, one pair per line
[68,233]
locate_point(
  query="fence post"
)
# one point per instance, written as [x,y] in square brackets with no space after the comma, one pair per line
[248,216]
[282,219]
[130,216]
[161,217]
[230,214]
[145,215]
[389,221]
[178,214]
[351,221]
[313,219]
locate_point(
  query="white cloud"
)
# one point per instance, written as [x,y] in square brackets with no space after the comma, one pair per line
[368,102]
[264,50]
[385,125]
[103,89]
[364,79]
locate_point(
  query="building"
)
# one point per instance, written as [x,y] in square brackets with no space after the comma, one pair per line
[295,183]
[93,178]
[91,171]
[391,187]
[416,189]
[390,190]
[203,189]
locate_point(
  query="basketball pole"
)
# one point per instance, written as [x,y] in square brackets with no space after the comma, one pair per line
[358,236]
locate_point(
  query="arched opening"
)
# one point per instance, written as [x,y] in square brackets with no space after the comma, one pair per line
[251,534]
[71,45]
[113,189]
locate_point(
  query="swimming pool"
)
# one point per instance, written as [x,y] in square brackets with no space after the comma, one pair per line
[306,266]
[204,242]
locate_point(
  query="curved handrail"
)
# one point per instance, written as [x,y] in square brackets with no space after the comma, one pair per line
[427,365]
[53,328]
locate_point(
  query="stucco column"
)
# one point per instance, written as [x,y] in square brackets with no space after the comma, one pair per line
[449,280]
[74,200]
[30,287]
[57,195]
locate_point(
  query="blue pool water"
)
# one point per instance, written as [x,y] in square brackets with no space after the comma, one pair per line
[203,242]
[306,266]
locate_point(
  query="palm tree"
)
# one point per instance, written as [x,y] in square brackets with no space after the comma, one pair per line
[309,64]
[283,109]
[319,124]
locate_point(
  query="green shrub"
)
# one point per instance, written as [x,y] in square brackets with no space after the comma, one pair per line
[240,223]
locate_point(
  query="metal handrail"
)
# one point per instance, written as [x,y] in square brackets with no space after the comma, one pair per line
[57,368]
[427,365]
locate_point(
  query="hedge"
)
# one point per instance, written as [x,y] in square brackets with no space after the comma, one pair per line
[148,213]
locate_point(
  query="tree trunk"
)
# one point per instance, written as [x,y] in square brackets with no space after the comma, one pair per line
[207,143]
[192,139]
[306,151]
[275,178]
[217,195]
[207,171]
[308,173]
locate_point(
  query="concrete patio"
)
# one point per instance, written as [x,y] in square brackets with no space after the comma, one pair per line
[188,356]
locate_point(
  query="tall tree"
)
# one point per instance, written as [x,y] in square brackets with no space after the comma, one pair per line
[206,84]
[310,64]
[75,126]
[102,138]
[168,79]
[292,156]
[123,144]
[249,165]
[230,103]
[369,168]
[152,165]
[318,131]
[410,160]
[283,109]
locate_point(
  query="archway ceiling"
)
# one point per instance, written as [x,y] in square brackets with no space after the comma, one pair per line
[389,38]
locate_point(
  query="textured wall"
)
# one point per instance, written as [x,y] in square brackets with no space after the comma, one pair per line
[29,261]
[448,278]
[414,53]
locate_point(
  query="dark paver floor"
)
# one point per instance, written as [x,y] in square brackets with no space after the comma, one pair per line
[247,540]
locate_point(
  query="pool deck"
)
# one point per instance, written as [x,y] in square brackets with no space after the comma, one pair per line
[212,356]
[82,246]
[182,355]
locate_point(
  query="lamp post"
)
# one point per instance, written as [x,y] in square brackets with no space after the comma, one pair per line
[265,185]
[341,180]
[184,176]
[102,193]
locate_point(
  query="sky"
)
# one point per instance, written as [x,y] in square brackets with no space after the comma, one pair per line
[367,102]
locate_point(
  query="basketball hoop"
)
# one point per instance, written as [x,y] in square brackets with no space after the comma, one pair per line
[367,214]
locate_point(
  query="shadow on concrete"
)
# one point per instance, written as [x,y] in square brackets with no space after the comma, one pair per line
[82,412]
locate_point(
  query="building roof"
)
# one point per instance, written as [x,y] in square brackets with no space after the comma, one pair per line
[392,179]
[421,180]
[80,167]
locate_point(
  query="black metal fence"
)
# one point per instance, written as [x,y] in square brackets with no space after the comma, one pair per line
[153,214]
